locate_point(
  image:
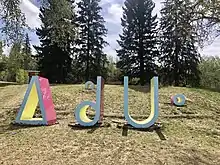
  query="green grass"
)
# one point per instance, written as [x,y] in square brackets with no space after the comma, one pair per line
[192,132]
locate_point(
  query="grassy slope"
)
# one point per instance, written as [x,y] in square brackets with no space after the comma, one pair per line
[190,139]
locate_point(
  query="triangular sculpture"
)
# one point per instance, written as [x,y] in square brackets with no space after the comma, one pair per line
[38,92]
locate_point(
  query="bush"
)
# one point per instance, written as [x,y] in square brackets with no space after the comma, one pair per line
[3,76]
[210,72]
[134,81]
[21,76]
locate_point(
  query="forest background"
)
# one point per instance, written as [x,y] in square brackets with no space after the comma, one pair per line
[73,38]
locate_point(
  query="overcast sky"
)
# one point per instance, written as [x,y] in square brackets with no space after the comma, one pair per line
[112,12]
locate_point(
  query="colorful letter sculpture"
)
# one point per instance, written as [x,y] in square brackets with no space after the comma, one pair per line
[178,100]
[154,106]
[89,85]
[38,92]
[80,111]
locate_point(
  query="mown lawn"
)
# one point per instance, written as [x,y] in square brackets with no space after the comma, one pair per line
[192,133]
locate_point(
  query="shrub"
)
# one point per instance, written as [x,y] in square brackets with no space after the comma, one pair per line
[21,76]
[134,81]
[210,72]
[3,76]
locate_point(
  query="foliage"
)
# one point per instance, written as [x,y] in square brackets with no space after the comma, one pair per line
[114,73]
[13,20]
[138,42]
[206,16]
[3,75]
[179,56]
[90,59]
[1,49]
[26,53]
[57,35]
[210,72]
[2,58]
[3,64]
[72,45]
[10,65]
[21,76]
[15,61]
[134,81]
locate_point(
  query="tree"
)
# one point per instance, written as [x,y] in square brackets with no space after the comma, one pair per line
[206,15]
[15,61]
[13,20]
[56,34]
[113,72]
[91,60]
[180,58]
[210,72]
[138,41]
[30,63]
[2,58]
[1,49]
[26,53]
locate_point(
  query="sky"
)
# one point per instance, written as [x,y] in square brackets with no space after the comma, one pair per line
[112,12]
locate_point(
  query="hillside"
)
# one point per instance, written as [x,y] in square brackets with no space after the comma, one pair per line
[192,132]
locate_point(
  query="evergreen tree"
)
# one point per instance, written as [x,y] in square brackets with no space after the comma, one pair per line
[179,57]
[138,42]
[91,60]
[56,36]
[1,49]
[15,61]
[3,63]
[26,52]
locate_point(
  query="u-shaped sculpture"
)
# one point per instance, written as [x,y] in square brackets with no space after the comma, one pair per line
[154,106]
[98,106]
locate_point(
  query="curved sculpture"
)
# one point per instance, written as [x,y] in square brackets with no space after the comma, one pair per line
[98,106]
[154,106]
[89,85]
[178,100]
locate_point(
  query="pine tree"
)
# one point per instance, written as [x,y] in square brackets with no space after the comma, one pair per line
[1,49]
[179,57]
[191,63]
[15,61]
[56,36]
[91,60]
[138,42]
[26,52]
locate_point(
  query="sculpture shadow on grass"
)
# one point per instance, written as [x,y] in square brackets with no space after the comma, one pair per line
[90,129]
[15,127]
[154,128]
[139,88]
